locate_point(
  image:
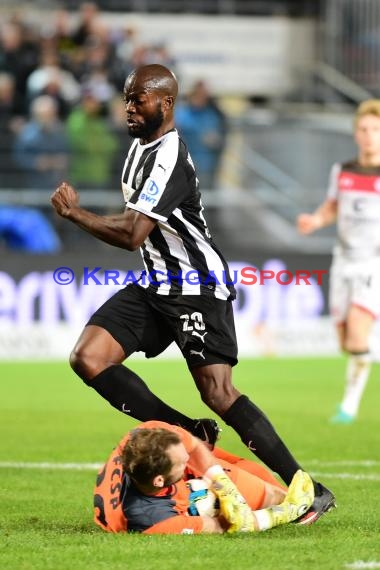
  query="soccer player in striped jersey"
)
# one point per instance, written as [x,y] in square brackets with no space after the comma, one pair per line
[164,218]
[353,200]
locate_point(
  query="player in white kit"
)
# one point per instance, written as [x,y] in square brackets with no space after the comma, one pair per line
[353,201]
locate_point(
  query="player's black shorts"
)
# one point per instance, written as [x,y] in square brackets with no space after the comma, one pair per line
[139,320]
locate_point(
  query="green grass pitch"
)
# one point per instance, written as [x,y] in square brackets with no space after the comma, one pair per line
[47,415]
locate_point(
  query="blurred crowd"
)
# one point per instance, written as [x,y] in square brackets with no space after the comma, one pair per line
[61,112]
[61,109]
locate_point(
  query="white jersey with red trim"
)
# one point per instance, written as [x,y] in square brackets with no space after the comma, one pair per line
[357,191]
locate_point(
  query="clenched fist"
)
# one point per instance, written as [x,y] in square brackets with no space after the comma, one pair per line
[64,199]
[308,223]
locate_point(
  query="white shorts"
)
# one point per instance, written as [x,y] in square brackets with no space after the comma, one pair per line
[354,283]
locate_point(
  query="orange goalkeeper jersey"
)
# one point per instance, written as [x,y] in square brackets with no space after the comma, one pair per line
[120,507]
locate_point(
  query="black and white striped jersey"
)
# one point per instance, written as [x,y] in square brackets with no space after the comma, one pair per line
[180,258]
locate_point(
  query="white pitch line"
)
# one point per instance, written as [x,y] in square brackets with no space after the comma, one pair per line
[359,463]
[351,476]
[96,466]
[360,564]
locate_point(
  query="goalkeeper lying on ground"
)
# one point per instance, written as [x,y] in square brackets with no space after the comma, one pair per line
[146,486]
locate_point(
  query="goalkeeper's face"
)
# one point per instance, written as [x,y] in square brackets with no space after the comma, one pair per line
[179,458]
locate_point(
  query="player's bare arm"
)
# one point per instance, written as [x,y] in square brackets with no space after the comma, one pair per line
[201,456]
[324,216]
[127,230]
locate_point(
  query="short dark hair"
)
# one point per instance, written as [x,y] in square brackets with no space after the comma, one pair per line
[144,456]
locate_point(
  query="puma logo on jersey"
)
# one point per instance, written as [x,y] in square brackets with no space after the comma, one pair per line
[201,336]
[160,166]
[198,353]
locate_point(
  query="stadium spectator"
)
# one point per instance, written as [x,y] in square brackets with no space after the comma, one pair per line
[203,127]
[163,216]
[125,43]
[147,485]
[97,55]
[49,78]
[98,84]
[66,54]
[62,35]
[89,23]
[41,146]
[11,120]
[19,54]
[353,200]
[92,143]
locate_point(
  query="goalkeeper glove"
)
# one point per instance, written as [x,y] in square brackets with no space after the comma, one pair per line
[233,506]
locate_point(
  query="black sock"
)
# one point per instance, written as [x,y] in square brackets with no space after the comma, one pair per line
[258,434]
[126,392]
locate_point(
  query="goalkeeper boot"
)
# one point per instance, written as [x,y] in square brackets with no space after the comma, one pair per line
[297,502]
[324,502]
[233,506]
[207,430]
